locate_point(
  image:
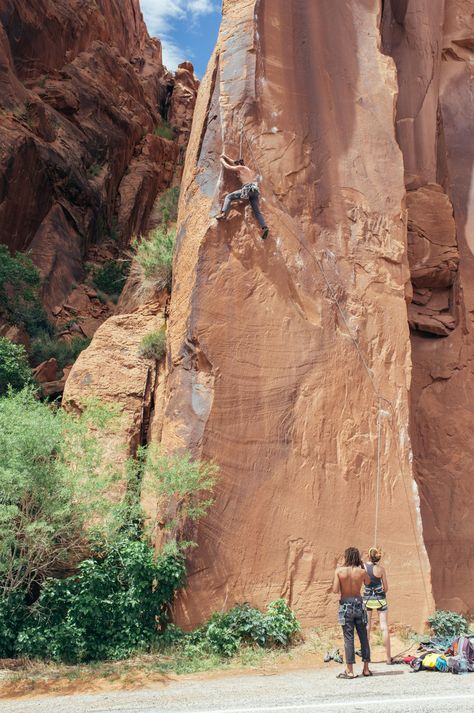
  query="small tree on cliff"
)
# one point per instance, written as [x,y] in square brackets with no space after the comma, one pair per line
[179,488]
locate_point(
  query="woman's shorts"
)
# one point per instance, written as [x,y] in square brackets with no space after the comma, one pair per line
[376,604]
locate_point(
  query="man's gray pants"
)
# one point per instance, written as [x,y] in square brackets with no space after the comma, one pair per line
[253,200]
[353,615]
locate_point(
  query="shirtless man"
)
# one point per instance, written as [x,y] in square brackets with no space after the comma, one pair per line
[249,191]
[348,581]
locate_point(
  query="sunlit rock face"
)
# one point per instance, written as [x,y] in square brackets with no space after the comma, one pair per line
[432,43]
[264,376]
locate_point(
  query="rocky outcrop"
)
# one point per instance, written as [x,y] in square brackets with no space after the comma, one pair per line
[113,371]
[435,127]
[281,351]
[434,258]
[83,90]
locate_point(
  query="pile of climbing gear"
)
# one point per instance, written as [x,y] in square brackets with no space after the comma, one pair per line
[436,655]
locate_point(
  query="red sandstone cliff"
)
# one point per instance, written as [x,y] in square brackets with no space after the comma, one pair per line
[82,90]
[264,378]
[435,126]
[359,118]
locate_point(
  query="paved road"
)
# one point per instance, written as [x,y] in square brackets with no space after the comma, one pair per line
[392,690]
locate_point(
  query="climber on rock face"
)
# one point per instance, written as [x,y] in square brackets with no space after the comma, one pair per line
[249,191]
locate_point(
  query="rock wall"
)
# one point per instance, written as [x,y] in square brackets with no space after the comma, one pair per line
[264,377]
[435,125]
[82,91]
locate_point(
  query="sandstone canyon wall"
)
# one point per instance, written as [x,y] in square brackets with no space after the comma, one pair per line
[435,126]
[263,376]
[286,357]
[82,92]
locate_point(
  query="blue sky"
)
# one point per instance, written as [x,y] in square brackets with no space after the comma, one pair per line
[187,29]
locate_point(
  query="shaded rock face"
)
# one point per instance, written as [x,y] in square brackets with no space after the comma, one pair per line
[435,126]
[264,377]
[82,89]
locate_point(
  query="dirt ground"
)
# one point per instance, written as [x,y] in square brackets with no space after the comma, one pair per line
[23,679]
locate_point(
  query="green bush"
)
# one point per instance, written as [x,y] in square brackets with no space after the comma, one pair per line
[448,624]
[154,256]
[14,369]
[111,277]
[225,633]
[180,480]
[94,170]
[165,130]
[45,347]
[115,605]
[168,205]
[55,510]
[13,611]
[19,300]
[52,486]
[153,345]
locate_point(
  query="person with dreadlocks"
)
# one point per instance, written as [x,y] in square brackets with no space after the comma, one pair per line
[249,191]
[348,581]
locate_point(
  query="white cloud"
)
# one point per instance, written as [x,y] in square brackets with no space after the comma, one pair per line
[159,16]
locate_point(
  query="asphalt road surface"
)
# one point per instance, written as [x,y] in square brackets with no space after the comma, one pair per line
[393,689]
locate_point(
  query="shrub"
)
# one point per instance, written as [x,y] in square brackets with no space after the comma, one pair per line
[165,130]
[153,345]
[180,481]
[52,486]
[111,277]
[44,348]
[13,611]
[448,624]
[109,609]
[14,369]
[225,633]
[19,300]
[168,205]
[94,170]
[154,257]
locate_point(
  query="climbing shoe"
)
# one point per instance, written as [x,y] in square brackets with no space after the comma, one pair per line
[265,232]
[220,216]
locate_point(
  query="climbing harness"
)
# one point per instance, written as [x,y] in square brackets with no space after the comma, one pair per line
[385,407]
[249,189]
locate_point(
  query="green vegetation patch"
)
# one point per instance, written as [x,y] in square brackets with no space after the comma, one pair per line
[448,624]
[154,256]
[168,205]
[111,277]
[109,609]
[57,516]
[225,633]
[65,352]
[153,345]
[165,130]
[19,298]
[15,372]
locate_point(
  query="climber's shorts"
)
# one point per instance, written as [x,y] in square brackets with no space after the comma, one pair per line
[376,604]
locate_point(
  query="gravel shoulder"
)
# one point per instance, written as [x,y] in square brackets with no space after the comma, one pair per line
[394,689]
